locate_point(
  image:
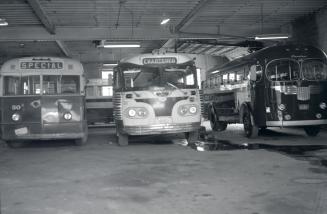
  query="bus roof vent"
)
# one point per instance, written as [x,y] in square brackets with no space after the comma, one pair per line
[70,66]
[12,67]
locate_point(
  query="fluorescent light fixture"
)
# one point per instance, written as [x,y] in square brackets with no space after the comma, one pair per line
[271,37]
[110,64]
[3,22]
[216,71]
[119,44]
[165,21]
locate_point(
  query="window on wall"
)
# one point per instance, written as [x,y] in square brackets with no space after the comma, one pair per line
[107,90]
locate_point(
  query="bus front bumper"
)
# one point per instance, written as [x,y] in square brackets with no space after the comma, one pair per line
[50,131]
[158,129]
[296,123]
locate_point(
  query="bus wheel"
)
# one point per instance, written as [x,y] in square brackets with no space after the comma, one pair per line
[215,124]
[15,144]
[312,131]
[192,137]
[122,139]
[81,141]
[249,128]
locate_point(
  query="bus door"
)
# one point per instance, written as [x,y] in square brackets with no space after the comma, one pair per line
[257,94]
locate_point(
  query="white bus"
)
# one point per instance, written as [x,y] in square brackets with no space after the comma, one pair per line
[156,94]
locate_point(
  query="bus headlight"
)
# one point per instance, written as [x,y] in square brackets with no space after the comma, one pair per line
[67,116]
[287,117]
[193,110]
[136,113]
[131,113]
[322,105]
[183,110]
[281,107]
[141,112]
[15,117]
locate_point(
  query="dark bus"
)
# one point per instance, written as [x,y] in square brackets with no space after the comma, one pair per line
[42,98]
[278,86]
[156,94]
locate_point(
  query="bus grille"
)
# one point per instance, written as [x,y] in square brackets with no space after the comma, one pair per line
[202,103]
[117,102]
[303,93]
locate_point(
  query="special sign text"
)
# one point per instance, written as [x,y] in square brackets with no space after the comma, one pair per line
[162,60]
[41,65]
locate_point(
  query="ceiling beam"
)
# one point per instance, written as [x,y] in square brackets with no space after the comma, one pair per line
[40,13]
[188,19]
[37,33]
[63,48]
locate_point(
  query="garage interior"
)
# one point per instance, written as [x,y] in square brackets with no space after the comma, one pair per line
[281,171]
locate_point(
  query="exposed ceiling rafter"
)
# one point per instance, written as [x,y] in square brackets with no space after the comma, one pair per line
[188,19]
[63,48]
[40,12]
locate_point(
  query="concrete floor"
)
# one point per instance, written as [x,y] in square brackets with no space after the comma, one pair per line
[165,177]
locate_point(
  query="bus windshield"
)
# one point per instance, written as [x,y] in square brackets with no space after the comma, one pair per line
[52,84]
[314,69]
[283,70]
[145,77]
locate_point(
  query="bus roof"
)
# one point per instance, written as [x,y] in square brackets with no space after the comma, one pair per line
[158,58]
[274,52]
[56,65]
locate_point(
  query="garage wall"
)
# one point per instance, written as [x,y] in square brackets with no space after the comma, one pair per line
[206,62]
[311,29]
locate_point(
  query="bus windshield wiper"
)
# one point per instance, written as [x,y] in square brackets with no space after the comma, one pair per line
[174,86]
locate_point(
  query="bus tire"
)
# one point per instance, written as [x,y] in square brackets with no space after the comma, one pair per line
[122,139]
[192,137]
[250,129]
[15,144]
[215,124]
[81,141]
[312,131]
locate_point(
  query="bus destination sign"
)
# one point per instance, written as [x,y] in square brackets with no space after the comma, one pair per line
[41,65]
[161,60]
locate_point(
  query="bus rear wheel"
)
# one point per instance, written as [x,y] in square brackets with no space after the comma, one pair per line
[312,131]
[215,124]
[250,129]
[122,139]
[192,137]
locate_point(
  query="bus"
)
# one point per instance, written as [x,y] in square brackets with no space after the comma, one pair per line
[99,107]
[42,98]
[156,94]
[277,86]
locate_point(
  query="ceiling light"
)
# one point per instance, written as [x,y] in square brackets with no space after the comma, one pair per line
[110,64]
[165,21]
[271,37]
[3,22]
[120,44]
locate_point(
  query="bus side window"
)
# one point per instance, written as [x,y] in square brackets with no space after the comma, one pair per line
[231,78]
[246,73]
[225,78]
[239,77]
[220,79]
